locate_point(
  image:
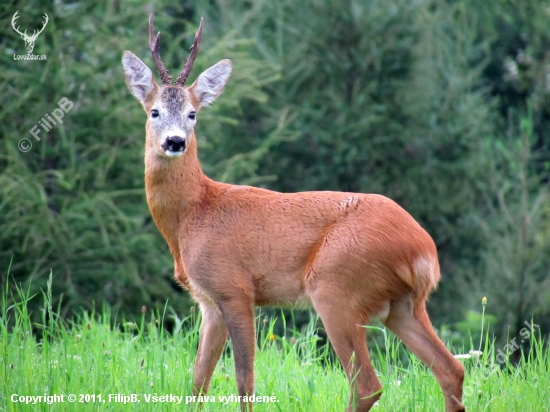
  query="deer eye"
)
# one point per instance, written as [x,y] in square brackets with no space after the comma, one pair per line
[192,115]
[154,113]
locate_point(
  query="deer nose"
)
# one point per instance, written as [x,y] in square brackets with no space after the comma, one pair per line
[174,144]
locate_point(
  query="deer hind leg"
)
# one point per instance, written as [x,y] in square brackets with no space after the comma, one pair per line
[411,324]
[238,314]
[347,336]
[212,341]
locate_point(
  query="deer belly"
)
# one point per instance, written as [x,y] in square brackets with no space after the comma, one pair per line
[280,290]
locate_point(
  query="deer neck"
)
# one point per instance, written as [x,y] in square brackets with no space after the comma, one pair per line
[175,189]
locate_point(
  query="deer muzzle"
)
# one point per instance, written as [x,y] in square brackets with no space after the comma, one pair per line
[174,146]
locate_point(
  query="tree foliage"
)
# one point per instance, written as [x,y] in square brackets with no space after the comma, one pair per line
[442,105]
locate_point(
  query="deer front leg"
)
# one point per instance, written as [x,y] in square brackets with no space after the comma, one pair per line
[239,318]
[212,341]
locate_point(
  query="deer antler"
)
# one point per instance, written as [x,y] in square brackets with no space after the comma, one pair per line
[191,59]
[13,22]
[154,44]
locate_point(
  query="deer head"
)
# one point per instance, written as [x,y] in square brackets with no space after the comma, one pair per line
[172,109]
[29,40]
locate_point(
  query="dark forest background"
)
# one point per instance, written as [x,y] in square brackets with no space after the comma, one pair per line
[441,105]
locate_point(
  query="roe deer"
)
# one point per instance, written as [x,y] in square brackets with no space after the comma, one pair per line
[353,257]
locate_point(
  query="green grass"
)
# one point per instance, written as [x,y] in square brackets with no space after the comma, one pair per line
[98,354]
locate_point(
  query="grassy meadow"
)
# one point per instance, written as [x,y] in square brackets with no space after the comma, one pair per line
[98,354]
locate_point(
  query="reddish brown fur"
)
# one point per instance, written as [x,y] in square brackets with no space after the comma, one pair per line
[354,257]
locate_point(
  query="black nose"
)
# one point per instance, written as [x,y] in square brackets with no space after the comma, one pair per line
[174,144]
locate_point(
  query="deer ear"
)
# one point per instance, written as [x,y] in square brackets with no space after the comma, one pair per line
[139,77]
[210,84]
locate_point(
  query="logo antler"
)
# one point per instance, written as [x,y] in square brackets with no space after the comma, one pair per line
[29,40]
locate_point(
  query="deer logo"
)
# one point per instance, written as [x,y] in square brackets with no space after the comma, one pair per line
[29,40]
